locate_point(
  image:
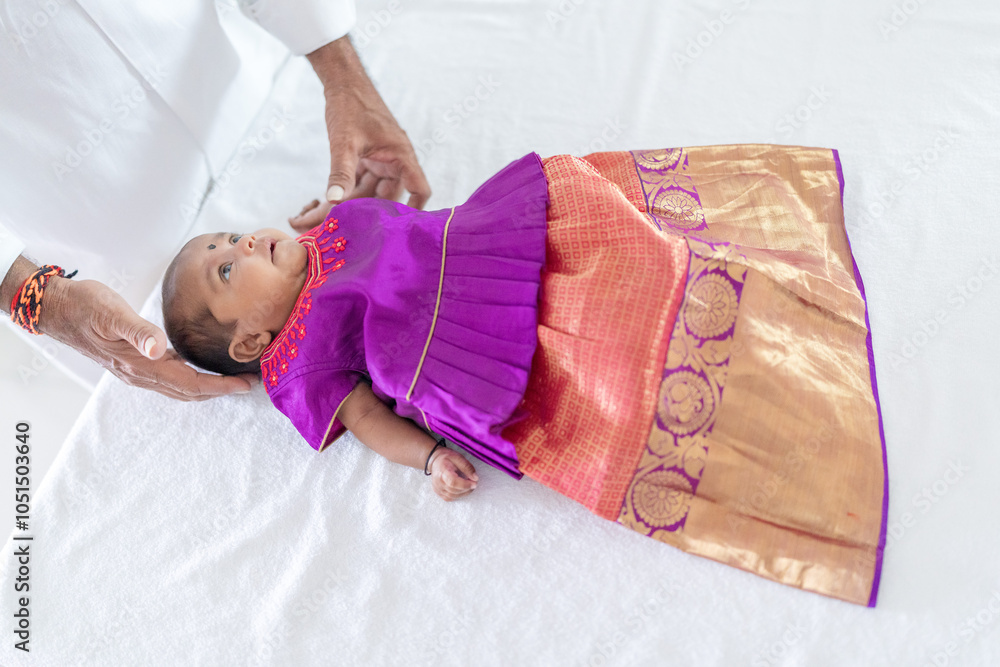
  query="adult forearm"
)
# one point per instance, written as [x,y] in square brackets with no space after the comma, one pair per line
[370,155]
[19,271]
[338,67]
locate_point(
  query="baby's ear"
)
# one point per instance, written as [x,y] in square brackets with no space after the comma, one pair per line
[247,347]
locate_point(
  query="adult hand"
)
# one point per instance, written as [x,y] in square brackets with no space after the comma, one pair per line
[311,215]
[370,155]
[96,321]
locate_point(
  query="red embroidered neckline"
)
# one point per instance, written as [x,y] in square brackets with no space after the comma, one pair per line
[285,347]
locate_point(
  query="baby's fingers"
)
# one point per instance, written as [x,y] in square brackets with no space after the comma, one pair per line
[465,469]
[452,481]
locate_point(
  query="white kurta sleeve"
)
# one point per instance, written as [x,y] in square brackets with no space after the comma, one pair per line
[10,248]
[303,25]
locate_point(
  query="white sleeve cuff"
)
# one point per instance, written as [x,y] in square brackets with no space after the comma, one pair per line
[10,248]
[303,25]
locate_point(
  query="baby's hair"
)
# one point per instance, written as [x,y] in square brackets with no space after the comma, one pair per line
[199,338]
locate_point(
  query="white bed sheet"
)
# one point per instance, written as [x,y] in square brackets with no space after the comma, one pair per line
[210,534]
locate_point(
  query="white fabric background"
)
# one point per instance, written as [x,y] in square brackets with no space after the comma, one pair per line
[211,534]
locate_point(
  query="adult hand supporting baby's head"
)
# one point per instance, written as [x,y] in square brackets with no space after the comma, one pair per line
[95,320]
[370,155]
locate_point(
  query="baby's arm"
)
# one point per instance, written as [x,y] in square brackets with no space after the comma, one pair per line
[400,440]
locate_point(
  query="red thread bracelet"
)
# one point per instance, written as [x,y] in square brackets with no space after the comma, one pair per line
[26,306]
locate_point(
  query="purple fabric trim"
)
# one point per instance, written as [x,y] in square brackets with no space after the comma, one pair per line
[878,406]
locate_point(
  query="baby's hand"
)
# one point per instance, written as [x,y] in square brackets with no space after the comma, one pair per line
[452,476]
[311,215]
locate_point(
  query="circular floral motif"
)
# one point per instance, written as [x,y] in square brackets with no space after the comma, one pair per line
[679,208]
[711,306]
[662,498]
[663,158]
[685,403]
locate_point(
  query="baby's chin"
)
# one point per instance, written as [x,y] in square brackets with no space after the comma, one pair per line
[291,255]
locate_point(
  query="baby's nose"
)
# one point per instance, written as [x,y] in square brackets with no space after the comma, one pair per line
[251,241]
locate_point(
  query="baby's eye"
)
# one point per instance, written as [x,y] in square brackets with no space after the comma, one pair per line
[224,271]
[235,238]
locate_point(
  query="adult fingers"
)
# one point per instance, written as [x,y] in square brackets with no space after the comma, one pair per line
[343,166]
[366,185]
[389,188]
[192,385]
[400,166]
[141,334]
[306,221]
[415,182]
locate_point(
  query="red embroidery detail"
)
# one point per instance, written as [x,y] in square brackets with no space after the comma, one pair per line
[275,360]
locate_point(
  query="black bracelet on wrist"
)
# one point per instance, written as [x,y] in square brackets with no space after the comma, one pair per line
[439,443]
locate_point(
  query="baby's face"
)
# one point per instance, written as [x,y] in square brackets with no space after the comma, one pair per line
[251,279]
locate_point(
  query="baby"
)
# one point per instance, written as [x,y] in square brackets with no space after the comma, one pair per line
[227,296]
[362,313]
[621,328]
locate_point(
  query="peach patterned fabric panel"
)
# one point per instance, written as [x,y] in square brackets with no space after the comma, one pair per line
[619,168]
[611,290]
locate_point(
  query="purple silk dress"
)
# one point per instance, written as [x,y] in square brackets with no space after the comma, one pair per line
[436,309]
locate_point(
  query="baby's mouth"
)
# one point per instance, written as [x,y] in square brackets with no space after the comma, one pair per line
[271,245]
